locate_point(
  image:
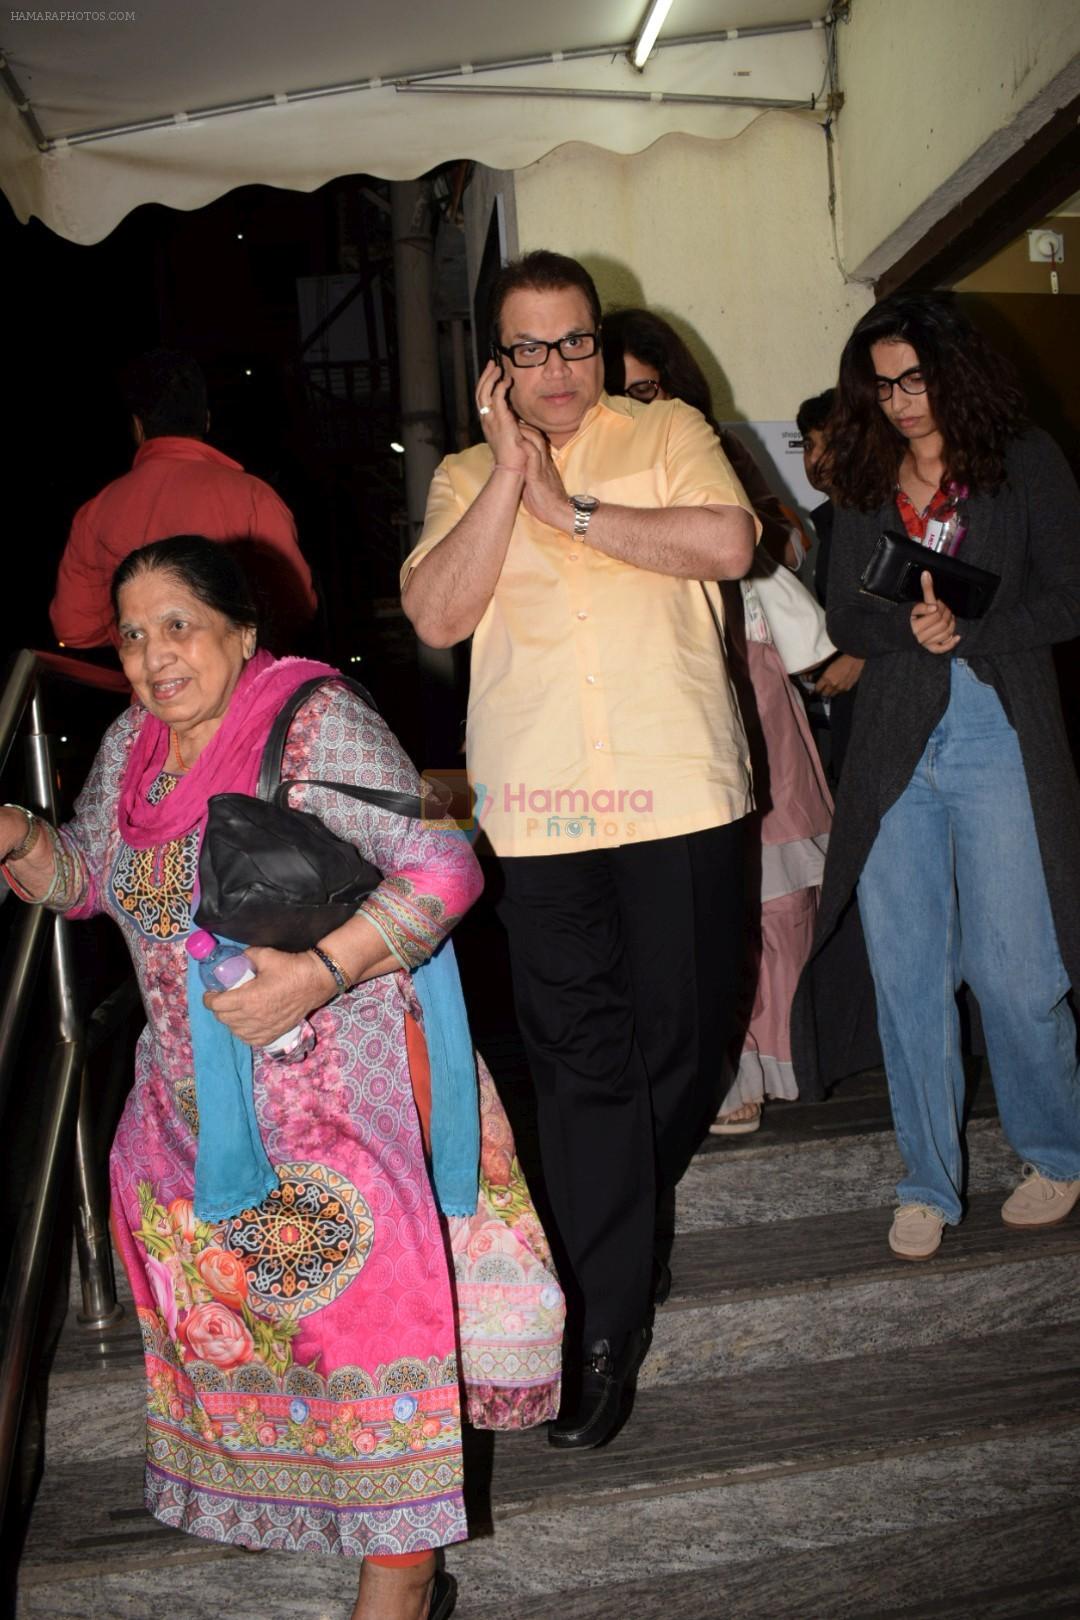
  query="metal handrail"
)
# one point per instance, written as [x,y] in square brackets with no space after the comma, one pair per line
[65,1130]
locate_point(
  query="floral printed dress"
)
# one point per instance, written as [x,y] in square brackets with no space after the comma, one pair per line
[302,1378]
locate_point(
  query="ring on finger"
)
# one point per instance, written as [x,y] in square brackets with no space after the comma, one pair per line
[484,410]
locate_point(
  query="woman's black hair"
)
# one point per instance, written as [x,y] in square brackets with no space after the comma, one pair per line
[813,413]
[206,568]
[649,338]
[976,402]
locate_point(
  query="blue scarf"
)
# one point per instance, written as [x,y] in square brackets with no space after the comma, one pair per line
[455,1118]
[232,1171]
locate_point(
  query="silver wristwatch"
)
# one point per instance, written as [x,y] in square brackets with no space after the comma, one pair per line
[584,507]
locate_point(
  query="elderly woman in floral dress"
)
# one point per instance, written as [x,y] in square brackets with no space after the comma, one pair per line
[303,1380]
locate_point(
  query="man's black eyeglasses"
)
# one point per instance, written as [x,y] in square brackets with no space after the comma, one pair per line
[911,381]
[574,346]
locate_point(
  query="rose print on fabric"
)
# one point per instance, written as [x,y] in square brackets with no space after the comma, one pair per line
[214,1334]
[201,1290]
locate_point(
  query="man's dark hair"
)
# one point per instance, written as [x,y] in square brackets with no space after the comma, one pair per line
[976,402]
[813,414]
[541,271]
[166,390]
[207,568]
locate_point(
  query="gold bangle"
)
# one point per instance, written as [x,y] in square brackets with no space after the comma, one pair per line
[17,851]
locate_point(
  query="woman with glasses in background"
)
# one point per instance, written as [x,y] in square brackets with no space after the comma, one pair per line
[645,359]
[958,816]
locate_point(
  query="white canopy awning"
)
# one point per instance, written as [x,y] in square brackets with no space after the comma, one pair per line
[136,101]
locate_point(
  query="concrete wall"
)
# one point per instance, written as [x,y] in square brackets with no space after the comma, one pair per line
[939,93]
[732,240]
[729,240]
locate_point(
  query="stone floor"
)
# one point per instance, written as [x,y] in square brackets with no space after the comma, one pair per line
[820,1432]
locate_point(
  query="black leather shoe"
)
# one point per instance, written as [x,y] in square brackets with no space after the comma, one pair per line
[443,1596]
[608,1368]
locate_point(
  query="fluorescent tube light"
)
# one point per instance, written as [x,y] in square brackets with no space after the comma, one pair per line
[655,18]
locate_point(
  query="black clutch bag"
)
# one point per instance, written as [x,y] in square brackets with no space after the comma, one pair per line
[894,570]
[269,875]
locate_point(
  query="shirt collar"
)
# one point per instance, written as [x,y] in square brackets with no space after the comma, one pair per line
[177,447]
[606,406]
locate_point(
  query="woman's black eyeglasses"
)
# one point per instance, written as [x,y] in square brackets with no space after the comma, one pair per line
[911,381]
[644,391]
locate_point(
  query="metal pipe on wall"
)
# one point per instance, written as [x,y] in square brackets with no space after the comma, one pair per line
[401,80]
[553,93]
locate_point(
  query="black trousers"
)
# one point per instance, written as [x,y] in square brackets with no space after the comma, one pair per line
[626,975]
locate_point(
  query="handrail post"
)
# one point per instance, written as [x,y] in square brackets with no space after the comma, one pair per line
[97,1279]
[66,1113]
[98,1283]
[20,966]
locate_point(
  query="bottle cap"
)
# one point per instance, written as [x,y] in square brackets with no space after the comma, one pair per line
[200,944]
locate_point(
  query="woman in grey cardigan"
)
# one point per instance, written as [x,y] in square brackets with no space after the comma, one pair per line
[958,819]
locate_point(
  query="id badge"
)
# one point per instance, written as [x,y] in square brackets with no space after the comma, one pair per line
[935,534]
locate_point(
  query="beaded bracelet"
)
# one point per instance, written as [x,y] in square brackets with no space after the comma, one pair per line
[337,973]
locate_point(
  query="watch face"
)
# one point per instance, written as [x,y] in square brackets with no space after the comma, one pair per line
[585,503]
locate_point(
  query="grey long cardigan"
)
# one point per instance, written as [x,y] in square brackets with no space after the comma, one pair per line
[1028,533]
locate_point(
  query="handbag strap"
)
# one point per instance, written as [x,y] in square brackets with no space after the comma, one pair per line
[270,785]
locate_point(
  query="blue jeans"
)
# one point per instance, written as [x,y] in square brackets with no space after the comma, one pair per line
[953,890]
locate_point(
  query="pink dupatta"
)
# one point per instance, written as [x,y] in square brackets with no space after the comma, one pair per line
[228,764]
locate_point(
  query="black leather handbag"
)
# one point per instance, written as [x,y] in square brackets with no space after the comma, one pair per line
[269,875]
[897,563]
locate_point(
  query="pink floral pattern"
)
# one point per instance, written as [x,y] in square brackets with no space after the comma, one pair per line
[511,1311]
[352,1360]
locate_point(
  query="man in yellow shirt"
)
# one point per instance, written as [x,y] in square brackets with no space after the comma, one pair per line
[579,546]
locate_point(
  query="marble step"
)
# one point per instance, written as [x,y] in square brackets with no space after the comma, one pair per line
[751,1181]
[983,1530]
[1008,1566]
[744,1300]
[821,1287]
[824,1251]
[765,1424]
[769,1178]
[857,1104]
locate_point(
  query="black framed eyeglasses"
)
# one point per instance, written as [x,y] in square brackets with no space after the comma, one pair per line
[644,391]
[911,381]
[574,346]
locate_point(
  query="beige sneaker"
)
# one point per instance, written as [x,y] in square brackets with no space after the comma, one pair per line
[915,1233]
[1038,1201]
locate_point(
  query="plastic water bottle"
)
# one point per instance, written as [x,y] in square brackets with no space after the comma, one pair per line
[223,967]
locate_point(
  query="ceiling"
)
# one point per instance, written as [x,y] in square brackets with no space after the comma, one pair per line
[182,64]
